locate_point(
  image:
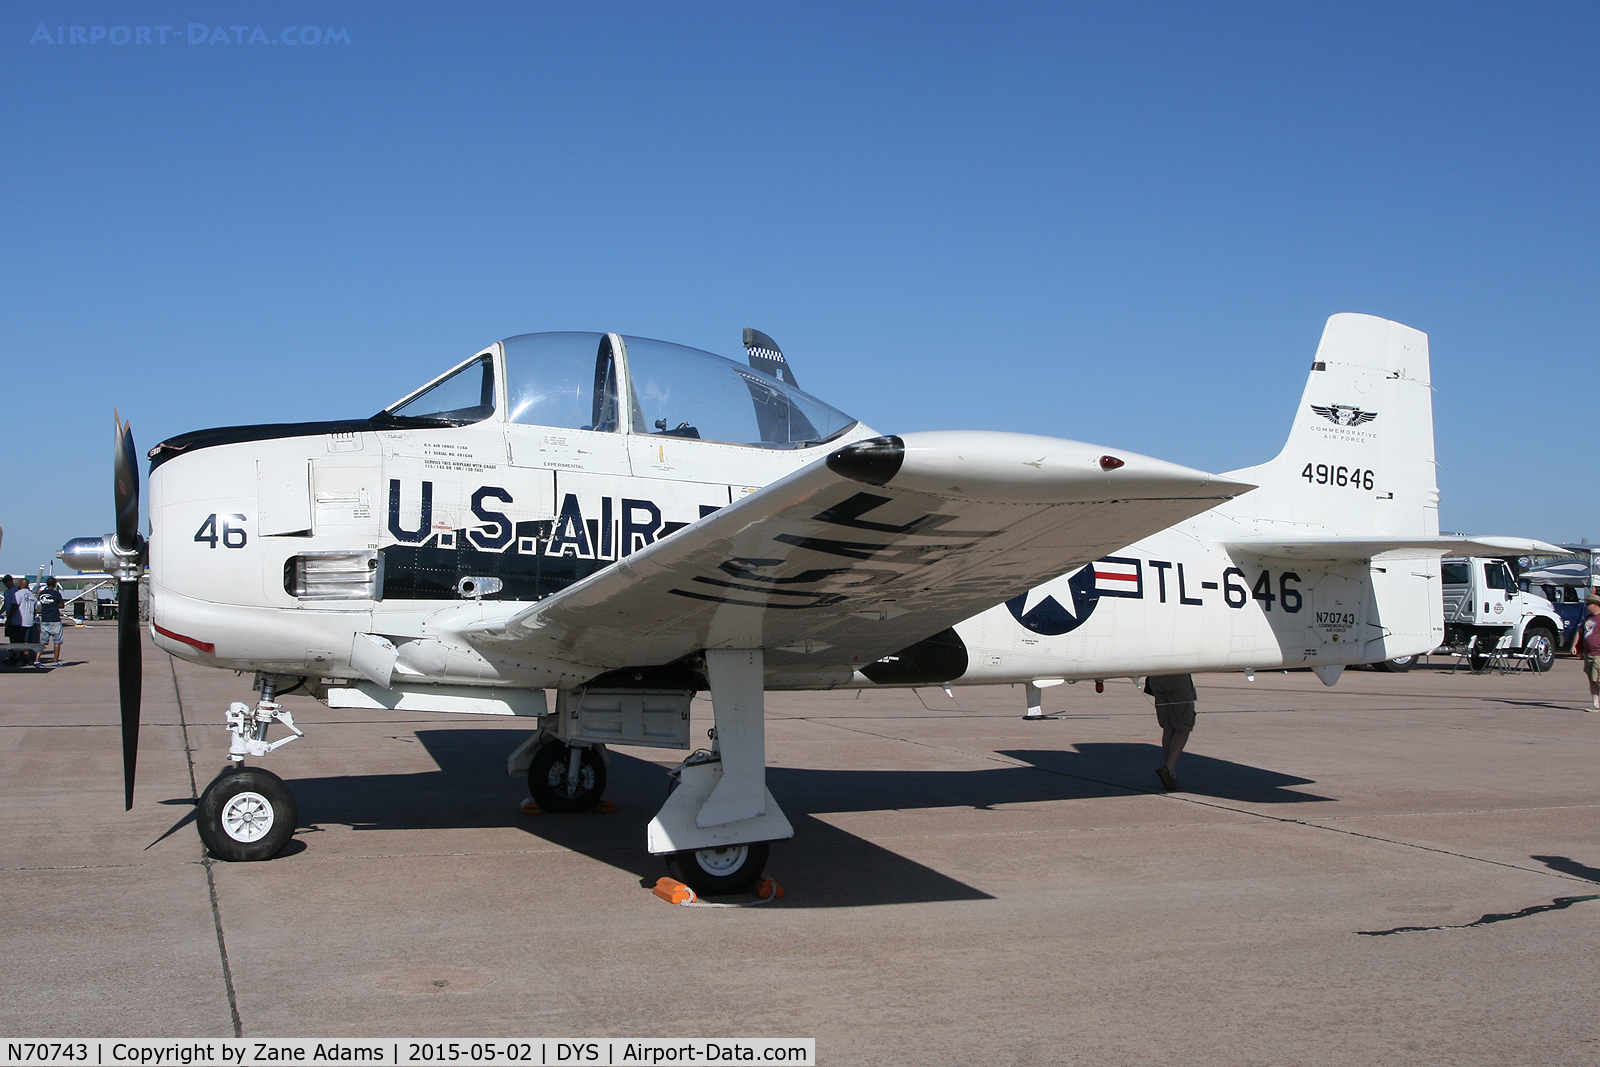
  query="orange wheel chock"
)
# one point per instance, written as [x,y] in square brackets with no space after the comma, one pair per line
[674,892]
[530,808]
[605,807]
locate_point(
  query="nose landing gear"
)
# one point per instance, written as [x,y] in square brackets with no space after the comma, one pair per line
[247,813]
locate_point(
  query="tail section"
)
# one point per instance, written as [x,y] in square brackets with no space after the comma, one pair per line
[1359,459]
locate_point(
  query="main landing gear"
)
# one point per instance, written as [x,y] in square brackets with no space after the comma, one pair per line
[719,820]
[247,813]
[712,871]
[715,829]
[567,778]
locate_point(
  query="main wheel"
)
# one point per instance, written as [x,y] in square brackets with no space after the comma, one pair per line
[552,784]
[719,870]
[247,814]
[1398,665]
[1540,648]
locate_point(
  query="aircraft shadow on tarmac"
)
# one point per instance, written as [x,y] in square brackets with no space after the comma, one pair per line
[824,866]
[1116,768]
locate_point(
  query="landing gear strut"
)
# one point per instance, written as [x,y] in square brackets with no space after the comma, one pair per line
[719,819]
[714,830]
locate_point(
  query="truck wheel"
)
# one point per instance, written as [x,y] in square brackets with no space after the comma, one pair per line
[1398,665]
[1540,647]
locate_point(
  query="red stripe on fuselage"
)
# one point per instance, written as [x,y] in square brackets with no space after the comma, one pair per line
[203,646]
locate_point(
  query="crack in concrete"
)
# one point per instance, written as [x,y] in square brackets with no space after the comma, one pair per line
[1558,904]
[207,862]
[73,867]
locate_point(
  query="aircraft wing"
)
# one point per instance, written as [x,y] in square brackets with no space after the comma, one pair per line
[853,558]
[1355,549]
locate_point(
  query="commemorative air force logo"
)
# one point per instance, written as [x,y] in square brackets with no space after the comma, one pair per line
[1048,616]
[1345,414]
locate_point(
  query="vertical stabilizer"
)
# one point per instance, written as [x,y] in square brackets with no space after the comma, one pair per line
[1359,458]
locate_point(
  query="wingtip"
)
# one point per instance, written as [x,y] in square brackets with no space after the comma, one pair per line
[874,461]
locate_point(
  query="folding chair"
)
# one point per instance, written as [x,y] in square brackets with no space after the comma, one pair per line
[1505,657]
[1463,653]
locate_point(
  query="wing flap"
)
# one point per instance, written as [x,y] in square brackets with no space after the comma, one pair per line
[859,555]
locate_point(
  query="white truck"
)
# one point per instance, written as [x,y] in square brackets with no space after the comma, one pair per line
[1482,599]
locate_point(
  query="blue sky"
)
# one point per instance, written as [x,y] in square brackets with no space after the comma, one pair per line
[1120,223]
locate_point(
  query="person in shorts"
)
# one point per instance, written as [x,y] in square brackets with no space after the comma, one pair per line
[20,622]
[1586,643]
[1174,696]
[51,600]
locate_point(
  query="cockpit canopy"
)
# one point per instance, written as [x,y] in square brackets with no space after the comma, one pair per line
[577,381]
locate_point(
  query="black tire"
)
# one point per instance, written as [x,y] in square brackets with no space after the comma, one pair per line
[548,778]
[1398,665]
[246,815]
[718,871]
[1539,644]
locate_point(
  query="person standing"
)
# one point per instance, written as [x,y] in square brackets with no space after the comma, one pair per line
[24,613]
[1174,696]
[1586,643]
[51,600]
[7,603]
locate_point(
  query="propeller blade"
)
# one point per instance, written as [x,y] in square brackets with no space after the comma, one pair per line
[125,483]
[130,669]
[130,676]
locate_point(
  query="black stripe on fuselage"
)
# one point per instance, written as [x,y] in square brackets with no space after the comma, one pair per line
[194,440]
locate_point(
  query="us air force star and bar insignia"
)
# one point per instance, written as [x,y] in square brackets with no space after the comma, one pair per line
[1048,616]
[1345,414]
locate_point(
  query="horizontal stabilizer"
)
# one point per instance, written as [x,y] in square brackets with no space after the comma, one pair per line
[1355,549]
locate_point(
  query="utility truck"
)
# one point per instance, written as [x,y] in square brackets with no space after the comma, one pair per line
[1482,600]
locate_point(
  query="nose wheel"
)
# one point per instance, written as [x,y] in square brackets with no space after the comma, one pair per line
[247,814]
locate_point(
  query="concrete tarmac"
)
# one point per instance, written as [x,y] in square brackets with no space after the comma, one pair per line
[1403,869]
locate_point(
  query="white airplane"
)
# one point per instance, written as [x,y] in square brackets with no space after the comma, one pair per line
[629,522]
